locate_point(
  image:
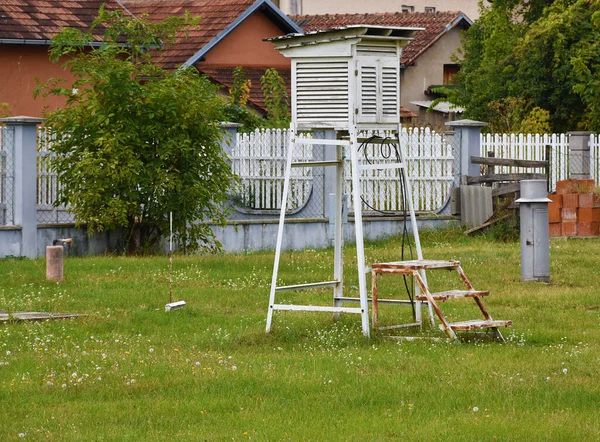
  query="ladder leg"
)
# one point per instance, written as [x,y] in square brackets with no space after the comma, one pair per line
[447,329]
[413,218]
[360,248]
[338,259]
[480,304]
[374,299]
[284,198]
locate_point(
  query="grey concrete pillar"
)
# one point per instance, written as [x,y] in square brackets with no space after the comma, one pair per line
[329,154]
[579,155]
[25,202]
[468,132]
[230,131]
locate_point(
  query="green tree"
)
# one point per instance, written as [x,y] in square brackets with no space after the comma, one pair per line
[135,142]
[543,54]
[276,99]
[236,110]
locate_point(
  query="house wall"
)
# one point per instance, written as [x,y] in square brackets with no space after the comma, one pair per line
[19,66]
[428,70]
[244,45]
[313,7]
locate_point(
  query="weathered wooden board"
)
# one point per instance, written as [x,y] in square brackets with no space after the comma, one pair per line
[491,161]
[505,177]
[35,316]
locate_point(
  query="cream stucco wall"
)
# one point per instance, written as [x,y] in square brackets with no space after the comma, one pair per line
[428,70]
[19,67]
[313,7]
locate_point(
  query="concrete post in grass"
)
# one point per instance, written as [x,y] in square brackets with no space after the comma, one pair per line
[54,263]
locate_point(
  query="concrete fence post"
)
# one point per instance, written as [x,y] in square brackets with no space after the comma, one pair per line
[25,173]
[228,141]
[468,132]
[579,155]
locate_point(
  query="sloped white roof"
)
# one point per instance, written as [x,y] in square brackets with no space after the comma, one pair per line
[443,106]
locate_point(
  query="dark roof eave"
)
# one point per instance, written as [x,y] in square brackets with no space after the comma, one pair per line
[42,42]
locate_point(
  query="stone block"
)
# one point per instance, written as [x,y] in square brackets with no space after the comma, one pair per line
[587,229]
[569,228]
[570,200]
[568,214]
[555,229]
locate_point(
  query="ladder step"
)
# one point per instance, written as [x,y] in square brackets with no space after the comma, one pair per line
[315,163]
[478,323]
[416,264]
[312,285]
[321,142]
[381,166]
[453,294]
[316,308]
[379,301]
[393,327]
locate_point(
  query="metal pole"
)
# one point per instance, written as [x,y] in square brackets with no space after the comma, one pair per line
[170,257]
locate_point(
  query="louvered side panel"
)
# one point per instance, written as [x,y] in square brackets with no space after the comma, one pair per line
[389,92]
[376,50]
[321,91]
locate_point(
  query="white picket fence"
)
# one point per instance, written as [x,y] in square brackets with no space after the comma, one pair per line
[259,160]
[430,162]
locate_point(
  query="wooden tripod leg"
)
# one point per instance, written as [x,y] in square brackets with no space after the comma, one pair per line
[374,297]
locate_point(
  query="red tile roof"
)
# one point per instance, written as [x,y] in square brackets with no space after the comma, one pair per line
[223,75]
[435,24]
[216,16]
[41,20]
[406,113]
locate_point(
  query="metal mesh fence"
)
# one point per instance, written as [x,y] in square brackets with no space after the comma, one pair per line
[7,143]
[47,184]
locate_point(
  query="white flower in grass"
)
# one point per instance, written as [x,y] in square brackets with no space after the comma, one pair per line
[475,409]
[565,371]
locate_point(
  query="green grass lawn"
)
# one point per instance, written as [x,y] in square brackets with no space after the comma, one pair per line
[130,371]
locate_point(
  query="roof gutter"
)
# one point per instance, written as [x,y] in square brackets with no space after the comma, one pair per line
[28,41]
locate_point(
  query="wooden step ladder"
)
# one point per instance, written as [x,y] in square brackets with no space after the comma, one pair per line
[417,269]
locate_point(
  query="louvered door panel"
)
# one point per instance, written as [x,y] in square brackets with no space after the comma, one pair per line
[322,91]
[377,69]
[367,102]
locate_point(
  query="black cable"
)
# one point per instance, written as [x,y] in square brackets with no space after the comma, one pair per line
[403,191]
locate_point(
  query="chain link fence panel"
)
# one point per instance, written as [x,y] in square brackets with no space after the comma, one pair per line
[47,183]
[7,146]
